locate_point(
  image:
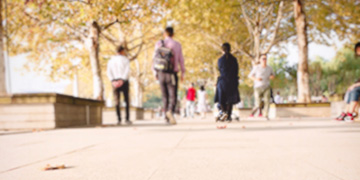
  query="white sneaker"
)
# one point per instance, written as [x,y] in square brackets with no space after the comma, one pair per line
[171,118]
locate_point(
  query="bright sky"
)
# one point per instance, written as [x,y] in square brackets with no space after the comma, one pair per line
[23,81]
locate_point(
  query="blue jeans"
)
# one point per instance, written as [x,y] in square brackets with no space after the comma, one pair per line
[353,95]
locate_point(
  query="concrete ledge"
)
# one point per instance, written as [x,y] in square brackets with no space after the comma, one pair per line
[300,110]
[48,111]
[244,112]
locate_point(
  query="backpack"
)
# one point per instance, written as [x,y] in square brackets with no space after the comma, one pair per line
[162,59]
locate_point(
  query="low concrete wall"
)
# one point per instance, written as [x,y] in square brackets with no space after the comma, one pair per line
[300,110]
[48,111]
[244,112]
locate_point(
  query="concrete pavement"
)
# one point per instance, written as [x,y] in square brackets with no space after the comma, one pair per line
[193,149]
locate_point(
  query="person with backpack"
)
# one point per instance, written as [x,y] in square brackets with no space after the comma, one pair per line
[167,62]
[227,92]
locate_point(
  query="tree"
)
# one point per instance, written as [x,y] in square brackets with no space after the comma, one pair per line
[265,26]
[302,41]
[55,32]
[2,57]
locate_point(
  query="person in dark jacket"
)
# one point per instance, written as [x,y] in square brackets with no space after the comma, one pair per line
[227,93]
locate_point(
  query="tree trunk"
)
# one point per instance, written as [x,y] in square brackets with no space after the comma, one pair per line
[2,57]
[138,93]
[256,45]
[303,70]
[93,47]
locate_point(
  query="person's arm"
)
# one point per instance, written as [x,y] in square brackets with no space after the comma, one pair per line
[354,86]
[181,62]
[272,74]
[125,75]
[252,75]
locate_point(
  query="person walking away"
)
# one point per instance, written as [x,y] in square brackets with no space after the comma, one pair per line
[261,75]
[190,101]
[227,92]
[118,69]
[202,106]
[168,61]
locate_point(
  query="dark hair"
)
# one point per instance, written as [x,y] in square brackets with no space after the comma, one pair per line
[357,45]
[226,48]
[120,49]
[169,31]
[202,88]
[192,84]
[263,54]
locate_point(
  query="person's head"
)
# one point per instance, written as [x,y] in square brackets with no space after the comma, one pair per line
[278,93]
[192,85]
[263,59]
[169,32]
[357,49]
[202,88]
[226,48]
[121,50]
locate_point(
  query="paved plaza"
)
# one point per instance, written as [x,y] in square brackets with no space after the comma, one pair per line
[193,149]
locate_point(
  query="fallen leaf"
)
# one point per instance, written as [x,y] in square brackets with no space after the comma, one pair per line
[49,167]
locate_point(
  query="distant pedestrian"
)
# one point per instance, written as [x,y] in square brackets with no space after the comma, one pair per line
[190,101]
[168,61]
[324,99]
[202,99]
[261,75]
[278,99]
[118,69]
[227,92]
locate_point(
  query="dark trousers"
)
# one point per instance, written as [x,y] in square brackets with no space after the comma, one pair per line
[226,108]
[169,86]
[125,90]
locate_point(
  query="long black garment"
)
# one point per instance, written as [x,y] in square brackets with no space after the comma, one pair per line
[227,92]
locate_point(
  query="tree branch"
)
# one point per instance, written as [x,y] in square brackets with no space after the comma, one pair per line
[277,25]
[247,19]
[81,1]
[138,52]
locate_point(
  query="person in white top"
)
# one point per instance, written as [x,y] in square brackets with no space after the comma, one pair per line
[278,99]
[118,69]
[202,106]
[261,75]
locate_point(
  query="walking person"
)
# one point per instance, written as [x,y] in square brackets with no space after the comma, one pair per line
[168,61]
[118,69]
[202,98]
[261,75]
[227,92]
[190,101]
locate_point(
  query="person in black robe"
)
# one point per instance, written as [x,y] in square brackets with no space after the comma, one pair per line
[227,92]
